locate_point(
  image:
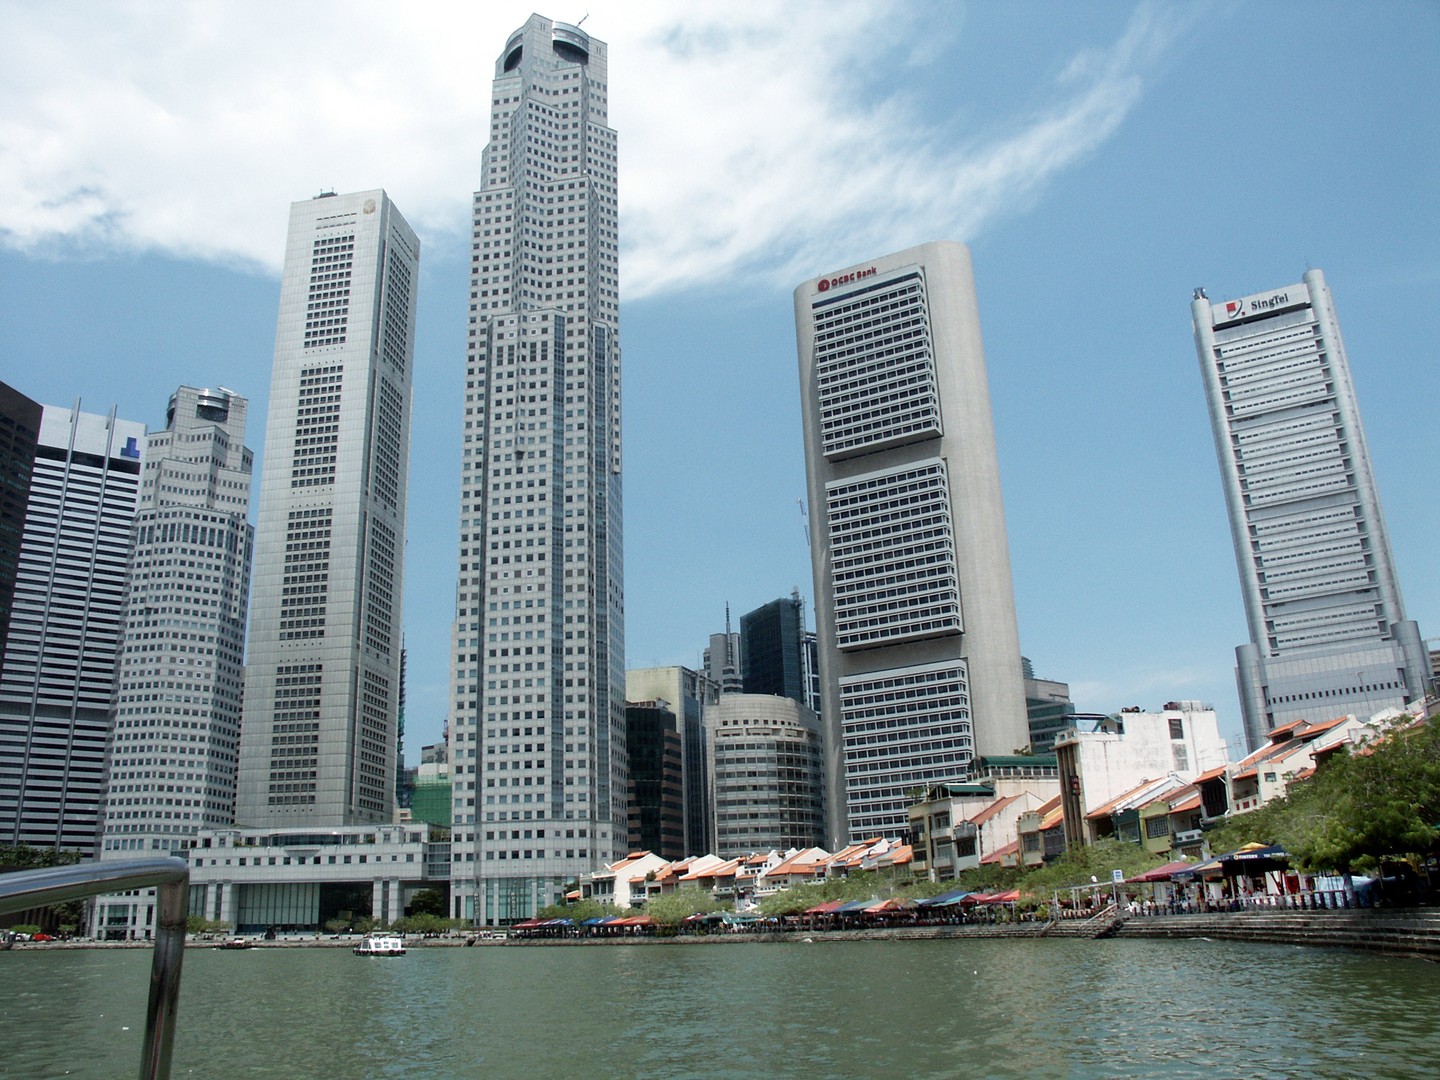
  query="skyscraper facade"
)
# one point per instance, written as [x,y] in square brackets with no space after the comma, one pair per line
[175,741]
[57,684]
[687,694]
[1328,633]
[19,434]
[538,669]
[657,779]
[915,611]
[768,772]
[322,683]
[722,660]
[772,644]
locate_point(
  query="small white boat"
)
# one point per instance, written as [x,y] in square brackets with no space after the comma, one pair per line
[380,945]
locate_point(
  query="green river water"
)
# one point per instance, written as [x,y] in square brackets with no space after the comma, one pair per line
[892,1009]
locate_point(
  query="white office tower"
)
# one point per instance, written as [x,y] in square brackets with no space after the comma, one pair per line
[1328,633]
[915,610]
[538,689]
[322,682]
[57,683]
[176,739]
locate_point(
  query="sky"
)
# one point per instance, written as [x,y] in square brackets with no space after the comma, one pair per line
[1101,160]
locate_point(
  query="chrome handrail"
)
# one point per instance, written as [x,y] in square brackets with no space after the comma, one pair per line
[170,878]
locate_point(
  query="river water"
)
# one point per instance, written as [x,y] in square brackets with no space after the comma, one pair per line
[957,1008]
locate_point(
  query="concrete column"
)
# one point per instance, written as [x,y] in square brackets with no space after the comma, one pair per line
[227,902]
[396,910]
[377,900]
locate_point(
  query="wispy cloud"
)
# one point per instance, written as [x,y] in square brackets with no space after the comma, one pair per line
[762,139]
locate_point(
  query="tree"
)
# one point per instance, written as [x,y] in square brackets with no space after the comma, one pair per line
[1080,864]
[579,911]
[429,902]
[198,924]
[66,917]
[1381,800]
[671,909]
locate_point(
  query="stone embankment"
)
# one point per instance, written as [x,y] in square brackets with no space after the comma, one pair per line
[1413,932]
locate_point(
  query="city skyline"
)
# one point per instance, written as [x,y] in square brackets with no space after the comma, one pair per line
[1076,146]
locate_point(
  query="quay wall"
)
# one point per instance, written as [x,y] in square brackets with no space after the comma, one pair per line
[1411,932]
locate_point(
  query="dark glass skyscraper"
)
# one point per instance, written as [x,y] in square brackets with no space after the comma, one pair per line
[772,639]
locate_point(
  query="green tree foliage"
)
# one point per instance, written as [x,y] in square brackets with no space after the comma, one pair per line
[859,885]
[428,902]
[423,923]
[1079,865]
[1380,801]
[68,916]
[988,878]
[671,909]
[198,924]
[580,911]
[25,857]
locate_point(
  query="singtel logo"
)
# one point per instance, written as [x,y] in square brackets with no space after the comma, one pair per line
[1234,309]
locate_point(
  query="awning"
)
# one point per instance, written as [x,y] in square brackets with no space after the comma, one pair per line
[895,903]
[1161,873]
[948,899]
[1259,851]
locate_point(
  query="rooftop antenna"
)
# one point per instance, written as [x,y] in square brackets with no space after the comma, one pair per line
[582,20]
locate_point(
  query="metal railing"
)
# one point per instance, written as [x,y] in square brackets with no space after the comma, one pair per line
[171,879]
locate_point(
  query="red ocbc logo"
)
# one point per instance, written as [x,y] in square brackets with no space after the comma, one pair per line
[826,284]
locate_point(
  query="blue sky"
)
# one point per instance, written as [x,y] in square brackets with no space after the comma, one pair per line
[1101,160]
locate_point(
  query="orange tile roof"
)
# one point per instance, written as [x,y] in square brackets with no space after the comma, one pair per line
[986,813]
[1000,852]
[1052,819]
[1283,729]
[1102,811]
[808,861]
[1213,774]
[1187,804]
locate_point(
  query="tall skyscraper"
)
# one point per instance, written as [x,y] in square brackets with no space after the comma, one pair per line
[657,779]
[19,435]
[1328,633]
[772,649]
[174,746]
[322,685]
[538,669]
[722,660]
[57,684]
[915,610]
[687,694]
[767,768]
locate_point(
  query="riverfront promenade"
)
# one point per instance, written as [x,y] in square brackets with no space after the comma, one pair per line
[1409,932]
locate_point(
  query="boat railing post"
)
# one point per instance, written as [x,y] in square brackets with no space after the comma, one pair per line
[172,909]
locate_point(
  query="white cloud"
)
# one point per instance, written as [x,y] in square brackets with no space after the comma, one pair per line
[760,138]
